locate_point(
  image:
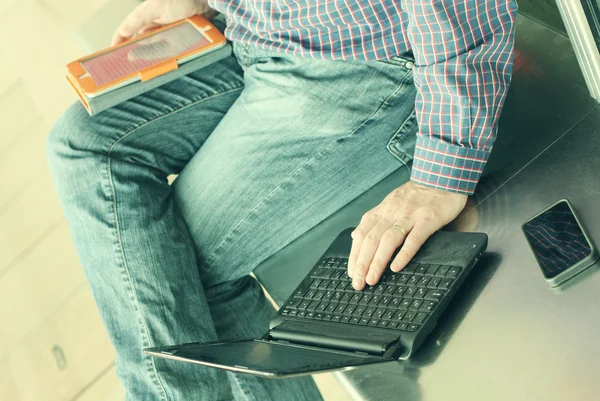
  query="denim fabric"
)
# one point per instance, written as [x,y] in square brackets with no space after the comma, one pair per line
[266,146]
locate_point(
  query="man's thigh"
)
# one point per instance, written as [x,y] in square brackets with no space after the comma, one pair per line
[304,138]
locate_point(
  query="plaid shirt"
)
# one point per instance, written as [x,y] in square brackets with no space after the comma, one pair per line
[463,63]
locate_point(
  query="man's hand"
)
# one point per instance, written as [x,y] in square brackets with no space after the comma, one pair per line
[407,217]
[154,13]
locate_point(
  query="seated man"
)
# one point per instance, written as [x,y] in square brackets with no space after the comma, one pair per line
[268,143]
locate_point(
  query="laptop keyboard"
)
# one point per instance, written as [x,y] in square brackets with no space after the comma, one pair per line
[399,301]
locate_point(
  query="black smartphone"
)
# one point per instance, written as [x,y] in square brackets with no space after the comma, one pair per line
[561,246]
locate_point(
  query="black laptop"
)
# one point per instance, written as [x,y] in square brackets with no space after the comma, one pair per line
[327,325]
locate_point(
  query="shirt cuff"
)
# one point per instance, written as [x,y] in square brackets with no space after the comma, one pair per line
[448,167]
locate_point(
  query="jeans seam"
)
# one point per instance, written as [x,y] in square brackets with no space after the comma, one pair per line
[128,281]
[226,237]
[112,195]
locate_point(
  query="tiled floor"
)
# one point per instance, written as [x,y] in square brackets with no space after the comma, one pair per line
[52,344]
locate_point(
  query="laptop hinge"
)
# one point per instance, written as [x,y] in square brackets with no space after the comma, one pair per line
[336,336]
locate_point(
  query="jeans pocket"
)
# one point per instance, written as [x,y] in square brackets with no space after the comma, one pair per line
[402,145]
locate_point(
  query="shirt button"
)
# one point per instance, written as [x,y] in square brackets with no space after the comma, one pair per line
[409,65]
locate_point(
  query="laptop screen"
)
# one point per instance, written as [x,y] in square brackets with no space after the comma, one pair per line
[257,356]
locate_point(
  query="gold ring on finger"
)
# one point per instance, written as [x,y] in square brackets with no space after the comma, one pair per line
[399,228]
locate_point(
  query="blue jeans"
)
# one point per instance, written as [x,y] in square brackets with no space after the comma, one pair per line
[266,146]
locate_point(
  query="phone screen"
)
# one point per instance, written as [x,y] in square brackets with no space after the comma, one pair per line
[140,54]
[557,240]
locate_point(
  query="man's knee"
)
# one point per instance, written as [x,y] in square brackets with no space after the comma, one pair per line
[66,133]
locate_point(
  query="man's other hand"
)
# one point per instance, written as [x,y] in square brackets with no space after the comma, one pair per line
[407,217]
[154,13]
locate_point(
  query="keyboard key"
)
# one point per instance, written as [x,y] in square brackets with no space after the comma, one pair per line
[323,262]
[421,269]
[375,299]
[391,277]
[433,283]
[390,290]
[380,312]
[383,323]
[380,289]
[355,298]
[393,324]
[346,298]
[364,321]
[313,305]
[453,271]
[408,316]
[410,292]
[319,294]
[431,270]
[336,318]
[415,305]
[331,307]
[389,314]
[304,304]
[445,284]
[410,268]
[310,294]
[365,299]
[337,296]
[427,306]
[398,315]
[441,272]
[321,272]
[300,292]
[301,313]
[413,327]
[405,303]
[420,294]
[327,316]
[403,278]
[360,309]
[369,311]
[373,322]
[322,307]
[293,312]
[310,315]
[420,318]
[293,303]
[355,320]
[333,285]
[345,319]
[337,275]
[423,282]
[399,291]
[403,326]
[385,300]
[340,309]
[337,262]
[434,294]
[395,303]
[368,290]
[315,283]
[413,280]
[285,311]
[349,310]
